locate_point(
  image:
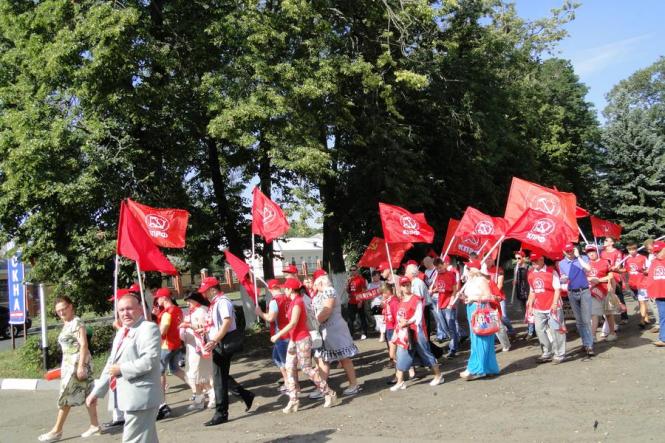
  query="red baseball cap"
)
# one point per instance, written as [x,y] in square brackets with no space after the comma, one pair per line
[292,283]
[383,266]
[208,283]
[473,264]
[318,273]
[121,293]
[162,292]
[535,256]
[658,246]
[411,262]
[135,288]
[290,269]
[404,281]
[568,247]
[590,247]
[273,283]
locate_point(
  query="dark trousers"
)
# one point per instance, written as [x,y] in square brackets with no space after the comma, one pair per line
[357,311]
[619,292]
[223,382]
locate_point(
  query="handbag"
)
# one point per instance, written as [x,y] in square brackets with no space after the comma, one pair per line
[485,320]
[612,304]
[232,342]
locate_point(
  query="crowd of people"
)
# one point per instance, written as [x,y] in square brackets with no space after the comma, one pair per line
[415,310]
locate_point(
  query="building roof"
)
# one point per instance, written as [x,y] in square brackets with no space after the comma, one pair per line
[299,244]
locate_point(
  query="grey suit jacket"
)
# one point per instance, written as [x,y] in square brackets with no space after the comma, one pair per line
[139,386]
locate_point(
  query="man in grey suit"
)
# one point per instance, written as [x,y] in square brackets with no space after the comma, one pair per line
[133,371]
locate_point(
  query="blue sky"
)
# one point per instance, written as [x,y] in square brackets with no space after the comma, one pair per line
[608,40]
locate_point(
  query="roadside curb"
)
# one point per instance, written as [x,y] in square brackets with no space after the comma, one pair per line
[29,384]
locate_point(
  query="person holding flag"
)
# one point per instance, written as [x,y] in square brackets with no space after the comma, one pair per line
[521,287]
[354,286]
[636,267]
[545,301]
[572,271]
[601,282]
[445,285]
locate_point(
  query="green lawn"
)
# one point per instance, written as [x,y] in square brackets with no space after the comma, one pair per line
[12,367]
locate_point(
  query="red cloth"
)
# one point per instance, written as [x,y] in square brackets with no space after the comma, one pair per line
[166,227]
[268,219]
[134,243]
[547,233]
[477,223]
[402,226]
[407,309]
[241,270]
[375,254]
[635,265]
[604,228]
[525,195]
[444,286]
[355,286]
[283,304]
[390,312]
[542,286]
[172,336]
[655,280]
[300,330]
[599,269]
[614,258]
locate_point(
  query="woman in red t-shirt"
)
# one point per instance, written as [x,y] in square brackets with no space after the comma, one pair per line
[390,304]
[410,337]
[299,351]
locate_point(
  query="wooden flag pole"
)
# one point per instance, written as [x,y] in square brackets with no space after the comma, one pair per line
[145,312]
[256,290]
[390,264]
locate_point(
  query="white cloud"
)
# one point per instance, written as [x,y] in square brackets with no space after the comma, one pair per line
[591,60]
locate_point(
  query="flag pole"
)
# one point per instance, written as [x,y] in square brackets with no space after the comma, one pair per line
[256,290]
[491,249]
[595,243]
[639,249]
[115,289]
[450,244]
[583,236]
[390,264]
[496,265]
[138,269]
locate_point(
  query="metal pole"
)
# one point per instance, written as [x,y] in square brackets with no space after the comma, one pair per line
[42,308]
[138,269]
[115,289]
[452,240]
[256,293]
[583,236]
[390,263]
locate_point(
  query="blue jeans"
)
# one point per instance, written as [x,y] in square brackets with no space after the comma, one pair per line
[441,333]
[504,319]
[580,302]
[450,326]
[279,353]
[660,304]
[421,348]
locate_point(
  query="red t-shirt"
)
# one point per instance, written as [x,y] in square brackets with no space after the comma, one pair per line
[614,258]
[300,330]
[390,312]
[356,285]
[282,319]
[599,269]
[635,266]
[406,310]
[541,284]
[655,280]
[444,285]
[171,340]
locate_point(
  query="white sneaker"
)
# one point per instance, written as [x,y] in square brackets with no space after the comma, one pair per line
[92,430]
[351,390]
[398,387]
[436,381]
[612,337]
[196,406]
[363,337]
[506,349]
[316,395]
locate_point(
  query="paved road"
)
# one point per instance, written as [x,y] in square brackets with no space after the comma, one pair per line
[621,391]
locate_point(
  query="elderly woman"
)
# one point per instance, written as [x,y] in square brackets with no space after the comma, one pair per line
[76,380]
[299,351]
[411,337]
[199,362]
[482,361]
[337,341]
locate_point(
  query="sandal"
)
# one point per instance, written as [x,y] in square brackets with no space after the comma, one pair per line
[50,436]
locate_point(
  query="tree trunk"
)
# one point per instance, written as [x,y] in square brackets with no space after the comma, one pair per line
[333,255]
[227,218]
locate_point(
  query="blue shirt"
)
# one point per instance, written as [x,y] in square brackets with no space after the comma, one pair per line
[575,272]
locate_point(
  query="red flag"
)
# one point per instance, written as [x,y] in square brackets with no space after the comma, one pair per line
[268,219]
[461,246]
[546,232]
[581,212]
[477,223]
[375,254]
[604,228]
[167,227]
[242,272]
[401,226]
[134,243]
[526,195]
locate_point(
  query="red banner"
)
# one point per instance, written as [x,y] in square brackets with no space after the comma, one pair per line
[604,228]
[401,226]
[241,270]
[477,223]
[166,227]
[268,219]
[464,245]
[368,295]
[375,254]
[543,231]
[526,195]
[581,212]
[135,244]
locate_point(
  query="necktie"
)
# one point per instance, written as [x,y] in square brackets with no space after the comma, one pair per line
[113,381]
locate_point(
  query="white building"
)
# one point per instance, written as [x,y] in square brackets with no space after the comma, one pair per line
[298,250]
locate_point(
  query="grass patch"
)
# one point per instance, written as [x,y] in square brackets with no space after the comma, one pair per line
[11,366]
